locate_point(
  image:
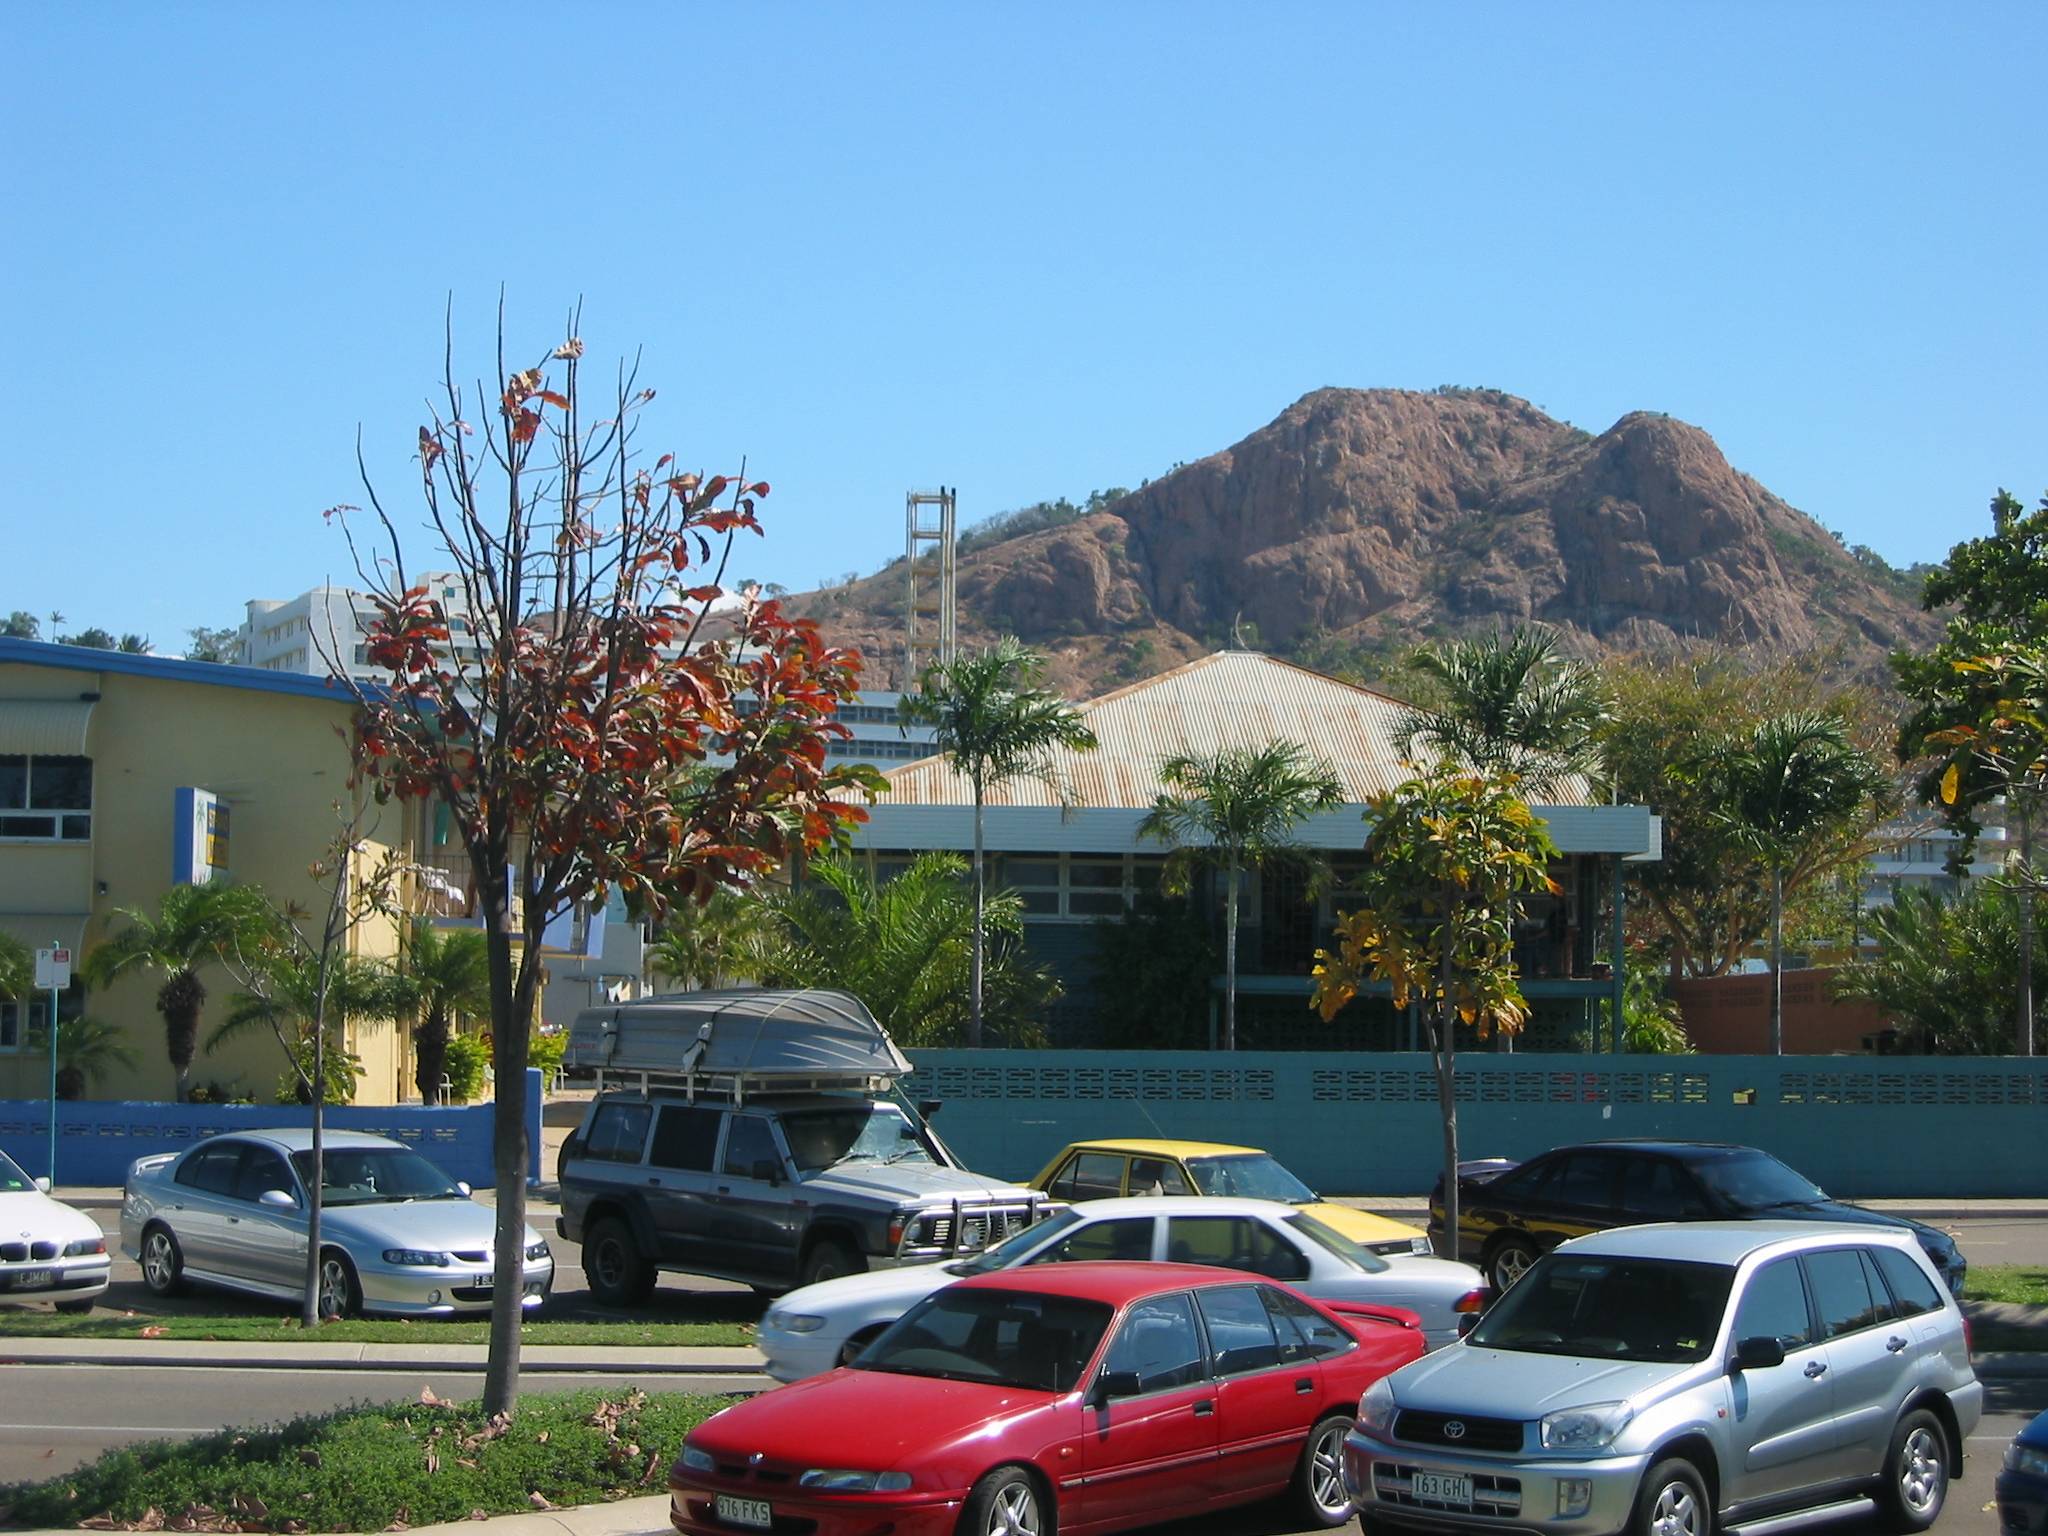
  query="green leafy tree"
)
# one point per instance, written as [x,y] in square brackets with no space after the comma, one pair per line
[1235,810]
[93,639]
[444,975]
[1790,783]
[21,625]
[194,926]
[1151,974]
[995,723]
[904,948]
[1450,853]
[299,993]
[1946,968]
[1509,703]
[703,943]
[17,969]
[88,1050]
[216,645]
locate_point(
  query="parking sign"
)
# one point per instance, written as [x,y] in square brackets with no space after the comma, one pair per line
[53,968]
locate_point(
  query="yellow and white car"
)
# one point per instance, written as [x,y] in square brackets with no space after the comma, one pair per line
[1104,1170]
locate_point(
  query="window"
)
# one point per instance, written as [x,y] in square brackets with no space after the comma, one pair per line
[1128,1237]
[1037,884]
[212,1168]
[10,1026]
[1234,1242]
[1527,1181]
[45,798]
[1586,1182]
[1157,1176]
[1089,1176]
[686,1138]
[1911,1289]
[1096,887]
[618,1132]
[749,1143]
[1075,887]
[262,1170]
[1657,1189]
[1841,1293]
[1305,1334]
[1774,1307]
[1882,1298]
[1158,1344]
[1241,1336]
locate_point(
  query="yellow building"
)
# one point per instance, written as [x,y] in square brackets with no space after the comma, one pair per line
[104,758]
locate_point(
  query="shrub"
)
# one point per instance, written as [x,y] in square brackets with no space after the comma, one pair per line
[545,1053]
[467,1057]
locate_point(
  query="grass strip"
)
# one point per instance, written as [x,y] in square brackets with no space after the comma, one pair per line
[2023,1284]
[377,1468]
[273,1329]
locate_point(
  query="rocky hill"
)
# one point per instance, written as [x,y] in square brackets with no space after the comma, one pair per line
[1362,522]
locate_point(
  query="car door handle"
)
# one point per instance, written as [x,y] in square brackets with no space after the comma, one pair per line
[235,1220]
[1816,1368]
[725,1189]
[1204,1409]
[1894,1344]
[1304,1384]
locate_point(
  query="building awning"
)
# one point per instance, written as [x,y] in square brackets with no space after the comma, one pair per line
[38,930]
[55,727]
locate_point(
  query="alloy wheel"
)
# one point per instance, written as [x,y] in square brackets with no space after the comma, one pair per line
[1923,1471]
[334,1287]
[1510,1264]
[156,1260]
[1014,1512]
[1676,1512]
[1326,1471]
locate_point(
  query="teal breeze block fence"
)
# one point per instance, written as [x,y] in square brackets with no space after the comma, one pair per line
[1358,1123]
[97,1141]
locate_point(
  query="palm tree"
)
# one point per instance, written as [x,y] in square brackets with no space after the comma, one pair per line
[87,1050]
[1509,703]
[286,1000]
[902,946]
[994,723]
[703,943]
[443,975]
[17,969]
[1233,810]
[193,925]
[1785,786]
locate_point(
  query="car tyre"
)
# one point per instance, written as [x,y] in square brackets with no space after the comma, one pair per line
[1007,1502]
[341,1293]
[75,1307]
[1672,1502]
[163,1262]
[1915,1472]
[828,1259]
[1319,1494]
[1509,1260]
[615,1269]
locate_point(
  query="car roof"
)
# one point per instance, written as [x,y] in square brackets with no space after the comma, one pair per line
[1162,1147]
[1656,1144]
[299,1138]
[1181,1205]
[1114,1281]
[1730,1242]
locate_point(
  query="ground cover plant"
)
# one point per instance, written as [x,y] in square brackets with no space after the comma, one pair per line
[376,1468]
[274,1329]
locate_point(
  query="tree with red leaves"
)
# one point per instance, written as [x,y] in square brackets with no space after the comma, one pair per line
[557,691]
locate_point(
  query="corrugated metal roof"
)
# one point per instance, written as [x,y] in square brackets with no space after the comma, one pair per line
[1228,699]
[37,726]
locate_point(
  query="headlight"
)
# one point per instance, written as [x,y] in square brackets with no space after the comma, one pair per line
[536,1251]
[1422,1246]
[796,1322]
[1591,1428]
[416,1258]
[85,1245]
[2030,1459]
[837,1480]
[696,1460]
[1376,1410]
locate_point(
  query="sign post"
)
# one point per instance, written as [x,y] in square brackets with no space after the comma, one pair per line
[53,970]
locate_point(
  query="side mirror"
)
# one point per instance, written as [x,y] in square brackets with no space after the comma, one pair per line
[1467,1321]
[42,1184]
[462,1188]
[930,1107]
[278,1200]
[1115,1384]
[1758,1354]
[767,1171]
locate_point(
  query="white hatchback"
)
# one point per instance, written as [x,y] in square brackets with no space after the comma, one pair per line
[48,1251]
[814,1329]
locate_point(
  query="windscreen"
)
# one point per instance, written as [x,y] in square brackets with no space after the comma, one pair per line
[1611,1309]
[1006,1338]
[12,1180]
[1756,1181]
[1014,1248]
[858,1133]
[1336,1242]
[1250,1176]
[374,1175]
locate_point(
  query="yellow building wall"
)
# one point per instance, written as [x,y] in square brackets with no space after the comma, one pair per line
[279,765]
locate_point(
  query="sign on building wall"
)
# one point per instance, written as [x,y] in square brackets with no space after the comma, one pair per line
[199,847]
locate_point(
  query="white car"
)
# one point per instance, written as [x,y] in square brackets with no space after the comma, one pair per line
[814,1329]
[48,1251]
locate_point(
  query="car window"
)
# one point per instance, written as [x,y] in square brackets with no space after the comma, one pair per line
[1241,1336]
[1878,1294]
[1128,1237]
[1158,1342]
[748,1141]
[999,1337]
[1157,1176]
[1587,1181]
[212,1168]
[1305,1334]
[1911,1289]
[1658,1189]
[1527,1181]
[1233,1242]
[617,1132]
[1089,1176]
[1841,1294]
[12,1179]
[261,1170]
[685,1137]
[1774,1306]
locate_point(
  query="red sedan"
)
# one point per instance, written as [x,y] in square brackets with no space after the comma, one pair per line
[1075,1397]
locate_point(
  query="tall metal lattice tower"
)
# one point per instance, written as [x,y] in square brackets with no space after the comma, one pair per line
[929,608]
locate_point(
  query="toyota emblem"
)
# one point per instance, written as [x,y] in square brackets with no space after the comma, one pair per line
[1454,1429]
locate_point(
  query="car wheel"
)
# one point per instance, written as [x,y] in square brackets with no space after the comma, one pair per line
[1509,1261]
[828,1259]
[75,1306]
[1319,1494]
[613,1266]
[163,1265]
[1672,1502]
[341,1294]
[1916,1472]
[1006,1502]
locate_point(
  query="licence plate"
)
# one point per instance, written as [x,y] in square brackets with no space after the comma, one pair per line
[753,1512]
[1443,1488]
[483,1282]
[34,1279]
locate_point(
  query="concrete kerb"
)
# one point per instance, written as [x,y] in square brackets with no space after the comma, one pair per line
[542,1359]
[626,1517]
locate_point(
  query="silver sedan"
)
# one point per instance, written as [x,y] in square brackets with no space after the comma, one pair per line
[396,1235]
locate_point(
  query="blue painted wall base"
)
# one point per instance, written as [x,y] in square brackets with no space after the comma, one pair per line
[1367,1123]
[97,1141]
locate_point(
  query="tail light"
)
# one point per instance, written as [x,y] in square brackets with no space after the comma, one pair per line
[1969,1337]
[1473,1301]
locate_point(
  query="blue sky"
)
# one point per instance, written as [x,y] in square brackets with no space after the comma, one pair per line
[1024,250]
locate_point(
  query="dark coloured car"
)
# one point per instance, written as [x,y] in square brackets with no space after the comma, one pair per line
[1510,1214]
[2022,1486]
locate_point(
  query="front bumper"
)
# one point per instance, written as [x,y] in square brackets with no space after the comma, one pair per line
[60,1279]
[793,1356]
[2022,1503]
[693,1510]
[434,1292]
[1508,1493]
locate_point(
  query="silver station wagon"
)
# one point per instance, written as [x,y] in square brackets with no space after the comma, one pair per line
[1671,1380]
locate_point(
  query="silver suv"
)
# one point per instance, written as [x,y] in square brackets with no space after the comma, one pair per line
[1671,1380]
